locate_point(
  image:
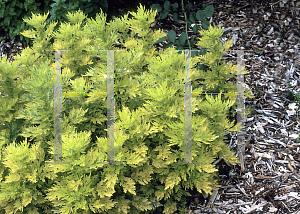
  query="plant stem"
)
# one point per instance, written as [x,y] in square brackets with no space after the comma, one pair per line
[185,24]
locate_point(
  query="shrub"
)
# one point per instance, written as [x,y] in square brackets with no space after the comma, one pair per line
[149,126]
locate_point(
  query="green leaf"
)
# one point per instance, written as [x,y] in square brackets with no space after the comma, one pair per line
[195,29]
[200,15]
[202,67]
[53,4]
[171,36]
[205,24]
[164,14]
[203,51]
[297,97]
[194,53]
[188,7]
[192,18]
[177,42]
[175,6]
[175,16]
[209,11]
[257,51]
[192,41]
[6,22]
[179,47]
[1,12]
[160,40]
[183,38]
[188,23]
[156,7]
[167,5]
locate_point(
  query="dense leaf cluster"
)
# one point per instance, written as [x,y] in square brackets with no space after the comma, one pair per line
[149,125]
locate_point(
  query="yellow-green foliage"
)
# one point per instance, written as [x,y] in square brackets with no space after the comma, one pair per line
[218,71]
[149,125]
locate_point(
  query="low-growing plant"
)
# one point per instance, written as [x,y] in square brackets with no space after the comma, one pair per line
[149,120]
[297,99]
[298,139]
[290,95]
[295,105]
[191,19]
[249,111]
